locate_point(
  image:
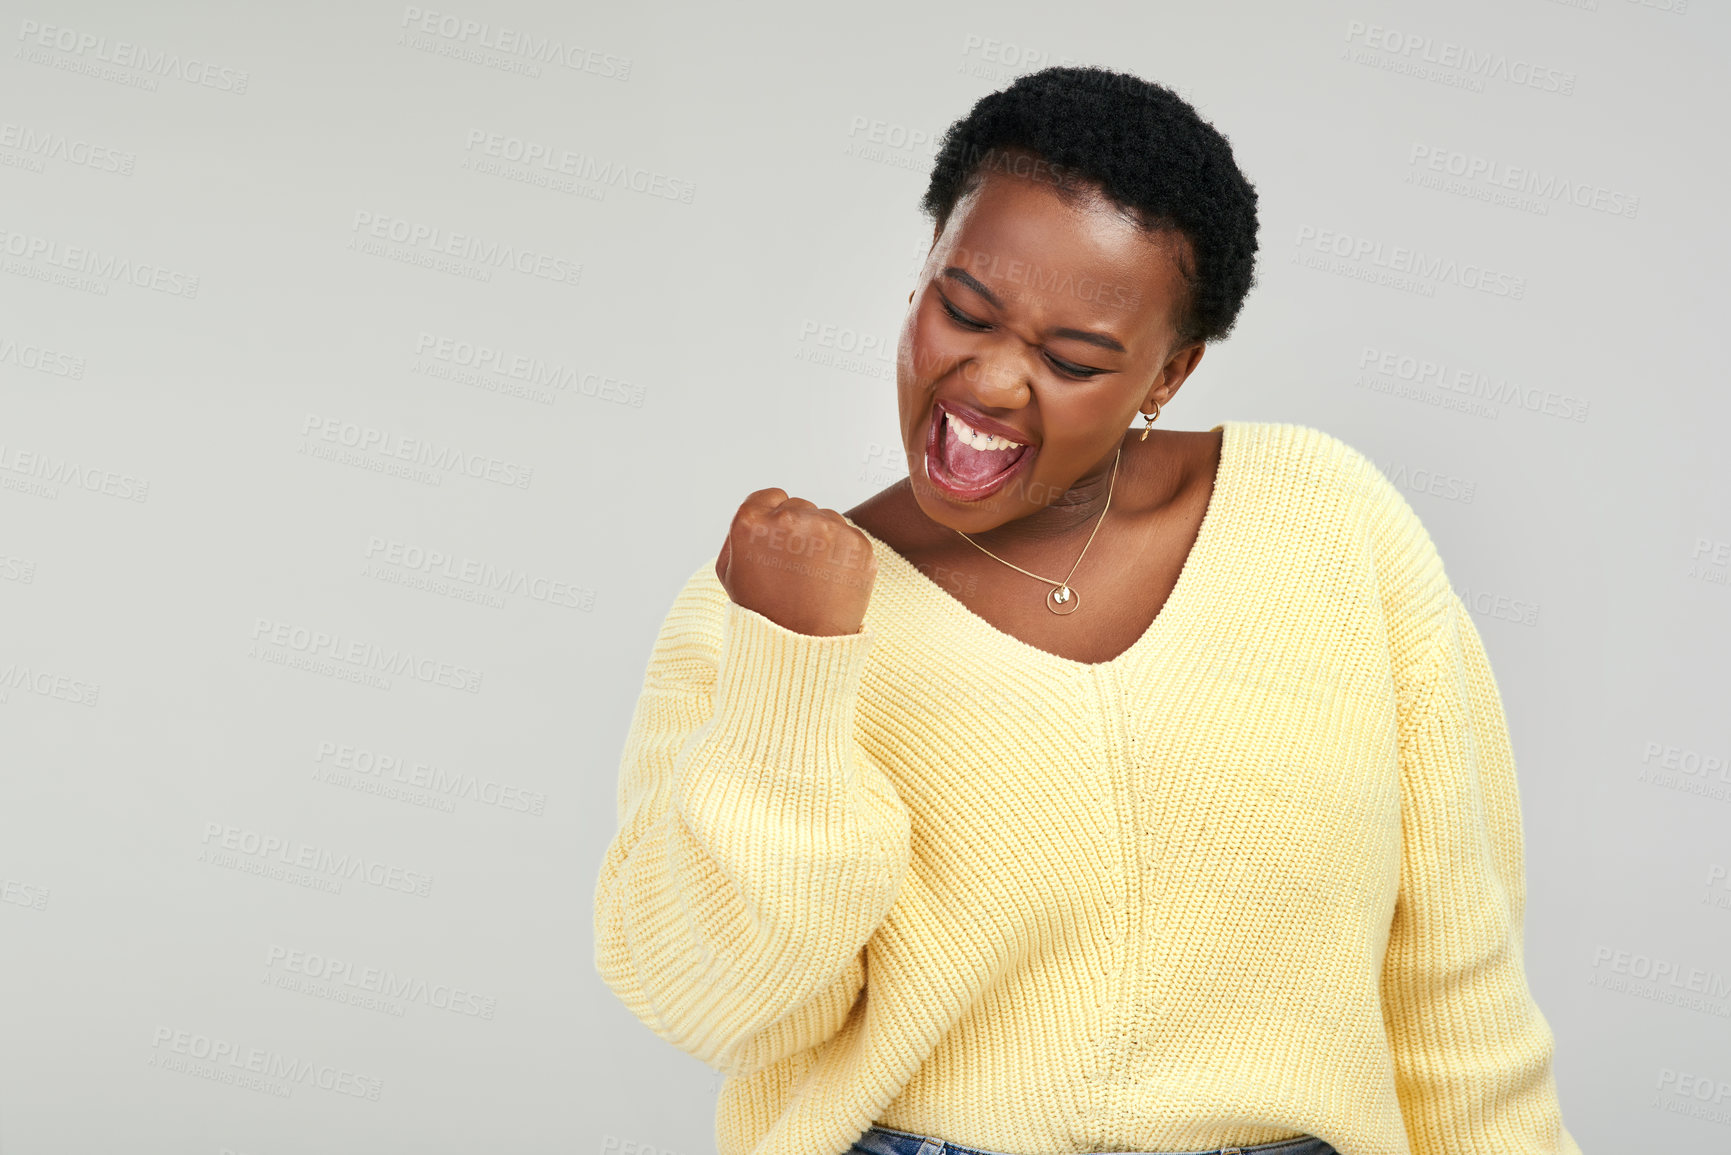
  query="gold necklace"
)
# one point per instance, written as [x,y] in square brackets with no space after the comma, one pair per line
[1062,599]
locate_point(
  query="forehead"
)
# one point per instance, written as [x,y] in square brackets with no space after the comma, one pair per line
[1017,234]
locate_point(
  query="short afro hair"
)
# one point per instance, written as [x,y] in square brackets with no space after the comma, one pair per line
[1145,148]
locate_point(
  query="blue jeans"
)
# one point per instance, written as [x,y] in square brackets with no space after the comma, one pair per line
[888,1141]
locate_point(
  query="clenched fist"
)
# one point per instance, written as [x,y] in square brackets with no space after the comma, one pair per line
[800,566]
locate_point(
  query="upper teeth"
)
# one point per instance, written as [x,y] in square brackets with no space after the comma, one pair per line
[982,441]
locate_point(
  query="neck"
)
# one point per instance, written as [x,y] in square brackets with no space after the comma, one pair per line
[1077,510]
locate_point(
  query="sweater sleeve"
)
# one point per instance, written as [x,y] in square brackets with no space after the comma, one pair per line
[1472,1052]
[758,847]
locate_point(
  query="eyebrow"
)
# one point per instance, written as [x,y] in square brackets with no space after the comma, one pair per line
[972,282]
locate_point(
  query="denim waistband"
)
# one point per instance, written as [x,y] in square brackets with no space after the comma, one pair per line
[889,1141]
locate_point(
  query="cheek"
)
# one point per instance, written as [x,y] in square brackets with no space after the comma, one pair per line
[912,386]
[928,348]
[905,345]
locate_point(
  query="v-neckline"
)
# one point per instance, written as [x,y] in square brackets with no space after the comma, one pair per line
[1196,565]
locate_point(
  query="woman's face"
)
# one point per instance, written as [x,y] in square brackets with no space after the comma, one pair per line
[1047,322]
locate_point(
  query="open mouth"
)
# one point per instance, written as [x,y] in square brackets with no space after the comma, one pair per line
[967,464]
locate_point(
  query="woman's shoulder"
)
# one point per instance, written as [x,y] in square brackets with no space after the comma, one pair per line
[1323,473]
[1308,457]
[1331,479]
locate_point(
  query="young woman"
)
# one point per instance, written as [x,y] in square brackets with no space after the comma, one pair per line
[1089,790]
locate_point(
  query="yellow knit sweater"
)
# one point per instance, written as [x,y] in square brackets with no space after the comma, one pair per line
[1259,876]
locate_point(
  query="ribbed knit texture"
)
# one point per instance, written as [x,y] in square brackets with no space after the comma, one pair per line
[1259,876]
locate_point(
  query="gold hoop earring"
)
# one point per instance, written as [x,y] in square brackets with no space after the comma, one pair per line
[1150,421]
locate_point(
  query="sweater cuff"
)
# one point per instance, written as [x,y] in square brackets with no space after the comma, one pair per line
[786,700]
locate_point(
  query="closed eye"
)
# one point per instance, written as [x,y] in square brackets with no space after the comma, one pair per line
[961,319]
[1079,372]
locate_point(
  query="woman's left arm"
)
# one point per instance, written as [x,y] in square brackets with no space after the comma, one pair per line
[1472,1051]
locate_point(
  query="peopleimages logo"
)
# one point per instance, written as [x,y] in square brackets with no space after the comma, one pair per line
[451,356]
[1370,256]
[40,359]
[1471,382]
[53,471]
[510,41]
[363,655]
[1544,188]
[329,977]
[383,444]
[374,765]
[105,267]
[47,683]
[1694,1095]
[24,894]
[1718,878]
[431,241]
[45,144]
[579,166]
[483,575]
[223,1061]
[125,54]
[293,854]
[1663,980]
[1476,64]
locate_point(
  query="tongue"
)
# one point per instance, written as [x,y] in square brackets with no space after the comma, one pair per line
[975,465]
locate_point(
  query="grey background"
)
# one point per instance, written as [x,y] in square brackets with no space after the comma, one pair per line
[164,511]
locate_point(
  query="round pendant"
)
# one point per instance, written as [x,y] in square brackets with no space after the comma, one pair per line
[1063,600]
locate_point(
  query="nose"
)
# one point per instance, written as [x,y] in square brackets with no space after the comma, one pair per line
[998,378]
